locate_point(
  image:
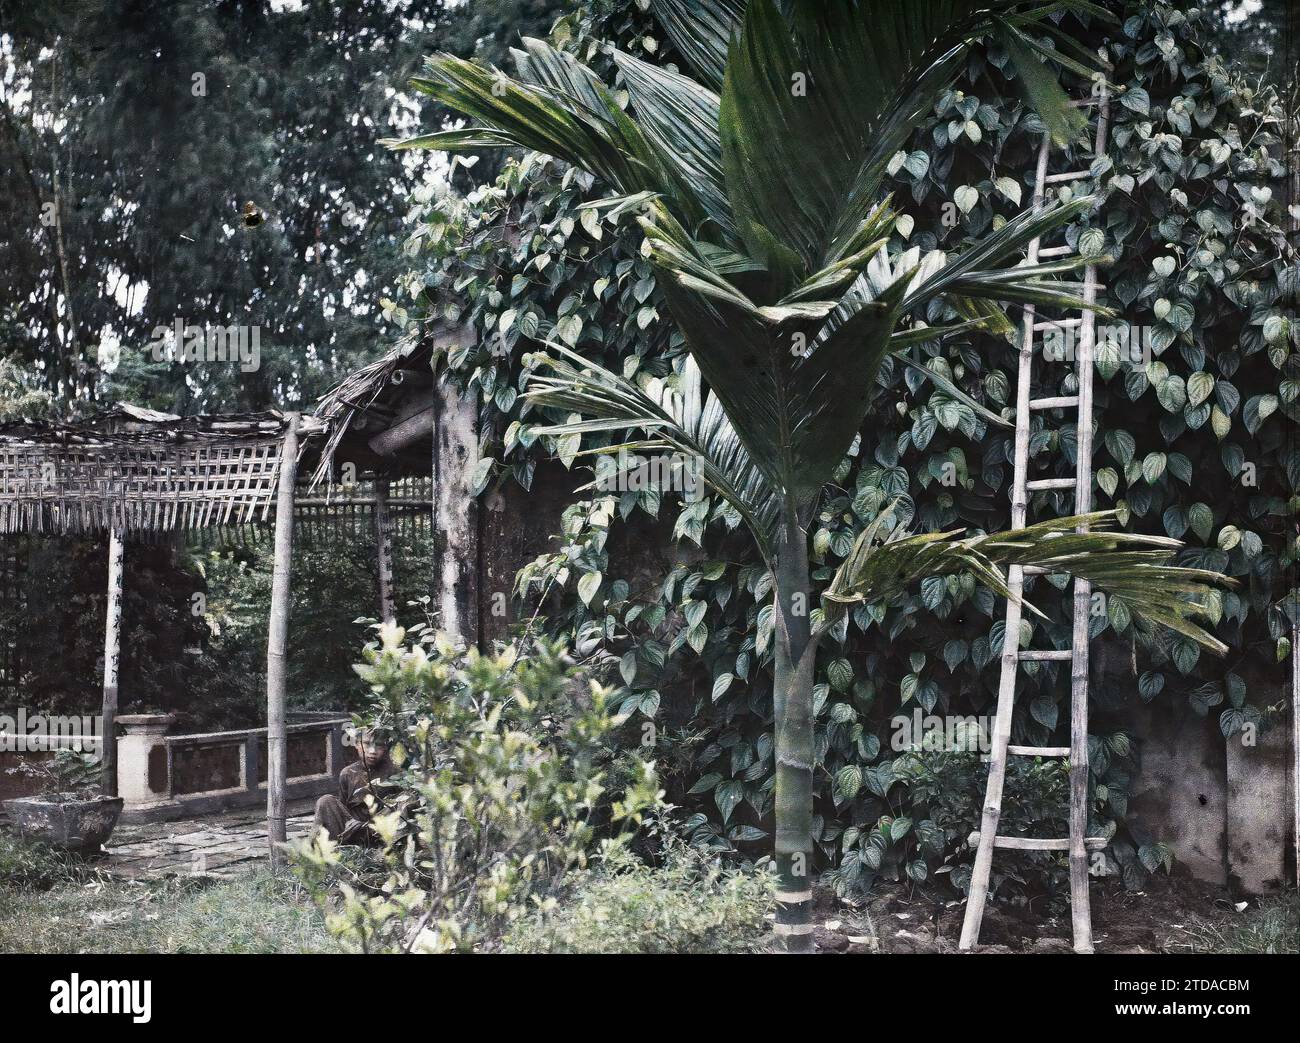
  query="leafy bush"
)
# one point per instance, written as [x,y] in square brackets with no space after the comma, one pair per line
[67,773]
[504,786]
[689,903]
[946,789]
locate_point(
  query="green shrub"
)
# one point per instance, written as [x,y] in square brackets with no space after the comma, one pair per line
[945,797]
[947,788]
[691,903]
[932,843]
[504,785]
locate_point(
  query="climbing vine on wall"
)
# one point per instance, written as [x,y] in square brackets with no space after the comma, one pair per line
[1195,440]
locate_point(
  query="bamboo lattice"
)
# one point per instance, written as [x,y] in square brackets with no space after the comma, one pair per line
[155,477]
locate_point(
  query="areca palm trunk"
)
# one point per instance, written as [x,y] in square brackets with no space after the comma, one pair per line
[795,752]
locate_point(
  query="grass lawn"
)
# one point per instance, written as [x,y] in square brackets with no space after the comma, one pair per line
[1271,927]
[259,913]
[52,903]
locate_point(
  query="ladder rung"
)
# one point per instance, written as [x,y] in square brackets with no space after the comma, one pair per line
[1083,103]
[1039,751]
[1072,175]
[1059,324]
[1055,251]
[1049,483]
[1045,654]
[1053,844]
[1060,402]
[1037,570]
[1037,843]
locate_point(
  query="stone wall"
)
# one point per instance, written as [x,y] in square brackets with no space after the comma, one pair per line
[1225,807]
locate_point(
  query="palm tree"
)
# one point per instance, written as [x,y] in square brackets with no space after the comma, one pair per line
[758,187]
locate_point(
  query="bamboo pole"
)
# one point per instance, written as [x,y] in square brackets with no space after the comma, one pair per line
[276,640]
[1080,900]
[1293,209]
[384,552]
[112,655]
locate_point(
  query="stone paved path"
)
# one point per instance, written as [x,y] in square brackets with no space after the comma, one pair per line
[221,845]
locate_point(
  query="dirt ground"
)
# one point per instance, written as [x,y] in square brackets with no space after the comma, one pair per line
[1165,917]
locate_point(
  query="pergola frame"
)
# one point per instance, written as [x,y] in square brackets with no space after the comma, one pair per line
[134,470]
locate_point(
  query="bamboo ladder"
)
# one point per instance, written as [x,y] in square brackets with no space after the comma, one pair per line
[1012,655]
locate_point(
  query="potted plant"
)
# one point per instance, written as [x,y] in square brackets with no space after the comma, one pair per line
[69,812]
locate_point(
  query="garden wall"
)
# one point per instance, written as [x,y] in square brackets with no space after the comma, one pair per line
[1223,805]
[1224,808]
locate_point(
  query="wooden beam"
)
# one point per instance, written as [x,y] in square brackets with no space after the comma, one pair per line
[112,656]
[991,815]
[384,553]
[414,422]
[276,642]
[1080,899]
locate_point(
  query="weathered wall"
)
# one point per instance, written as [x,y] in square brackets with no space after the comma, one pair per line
[1224,806]
[515,526]
[1181,793]
[1259,817]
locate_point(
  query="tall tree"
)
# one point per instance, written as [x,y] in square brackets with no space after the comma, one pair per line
[133,133]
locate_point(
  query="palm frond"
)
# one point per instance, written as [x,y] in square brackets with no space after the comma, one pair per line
[701,30]
[566,112]
[676,416]
[958,273]
[1132,567]
[794,393]
[680,119]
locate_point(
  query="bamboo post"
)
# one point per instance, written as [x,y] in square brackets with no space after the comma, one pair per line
[1080,900]
[384,552]
[1295,743]
[277,639]
[112,655]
